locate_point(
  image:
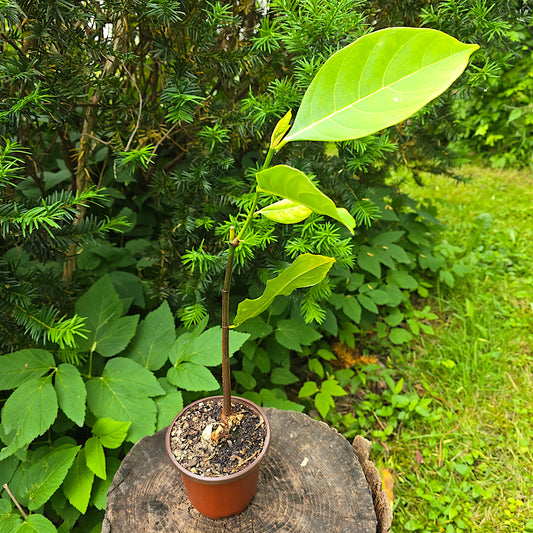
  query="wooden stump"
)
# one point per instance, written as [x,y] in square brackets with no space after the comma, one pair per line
[311,481]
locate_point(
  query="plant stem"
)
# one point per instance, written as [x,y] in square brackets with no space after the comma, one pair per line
[22,512]
[226,379]
[233,243]
[251,212]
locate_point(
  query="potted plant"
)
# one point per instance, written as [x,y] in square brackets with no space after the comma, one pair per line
[375,82]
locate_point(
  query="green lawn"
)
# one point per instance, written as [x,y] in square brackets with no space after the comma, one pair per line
[467,465]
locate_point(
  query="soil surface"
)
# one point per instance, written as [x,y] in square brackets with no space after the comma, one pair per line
[204,446]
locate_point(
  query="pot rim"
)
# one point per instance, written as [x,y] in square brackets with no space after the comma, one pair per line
[217,480]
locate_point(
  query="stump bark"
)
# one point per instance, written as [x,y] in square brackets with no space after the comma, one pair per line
[310,481]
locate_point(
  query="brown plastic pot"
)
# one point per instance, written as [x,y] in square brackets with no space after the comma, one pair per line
[218,497]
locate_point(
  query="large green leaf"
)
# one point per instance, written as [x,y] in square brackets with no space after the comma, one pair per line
[377,81]
[111,432]
[205,349]
[95,457]
[18,367]
[36,523]
[71,392]
[305,271]
[123,393]
[292,184]
[46,475]
[192,377]
[169,405]
[28,413]
[78,483]
[153,339]
[109,332]
[294,334]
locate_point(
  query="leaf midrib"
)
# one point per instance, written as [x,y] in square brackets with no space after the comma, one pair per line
[357,102]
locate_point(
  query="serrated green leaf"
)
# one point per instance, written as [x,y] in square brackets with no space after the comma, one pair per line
[95,457]
[111,433]
[332,388]
[45,476]
[154,337]
[308,389]
[192,377]
[285,212]
[377,81]
[36,523]
[168,406]
[206,349]
[395,295]
[262,360]
[71,392]
[123,393]
[244,379]
[283,376]
[18,367]
[446,276]
[305,271]
[292,184]
[400,336]
[386,238]
[316,366]
[294,334]
[369,262]
[9,522]
[101,486]
[394,318]
[367,303]
[351,308]
[109,332]
[402,279]
[256,327]
[323,402]
[378,296]
[116,335]
[28,413]
[78,483]
[398,254]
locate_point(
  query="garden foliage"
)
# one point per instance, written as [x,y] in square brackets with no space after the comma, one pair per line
[131,134]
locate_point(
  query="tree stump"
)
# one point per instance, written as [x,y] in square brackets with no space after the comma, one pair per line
[310,481]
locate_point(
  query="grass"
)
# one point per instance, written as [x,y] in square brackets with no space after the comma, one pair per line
[467,464]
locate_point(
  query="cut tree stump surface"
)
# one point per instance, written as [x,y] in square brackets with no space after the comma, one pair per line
[311,481]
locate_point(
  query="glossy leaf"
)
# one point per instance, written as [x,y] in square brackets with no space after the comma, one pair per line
[292,184]
[281,129]
[71,392]
[377,81]
[305,271]
[286,212]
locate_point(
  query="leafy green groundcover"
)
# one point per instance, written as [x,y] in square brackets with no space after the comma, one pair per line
[65,426]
